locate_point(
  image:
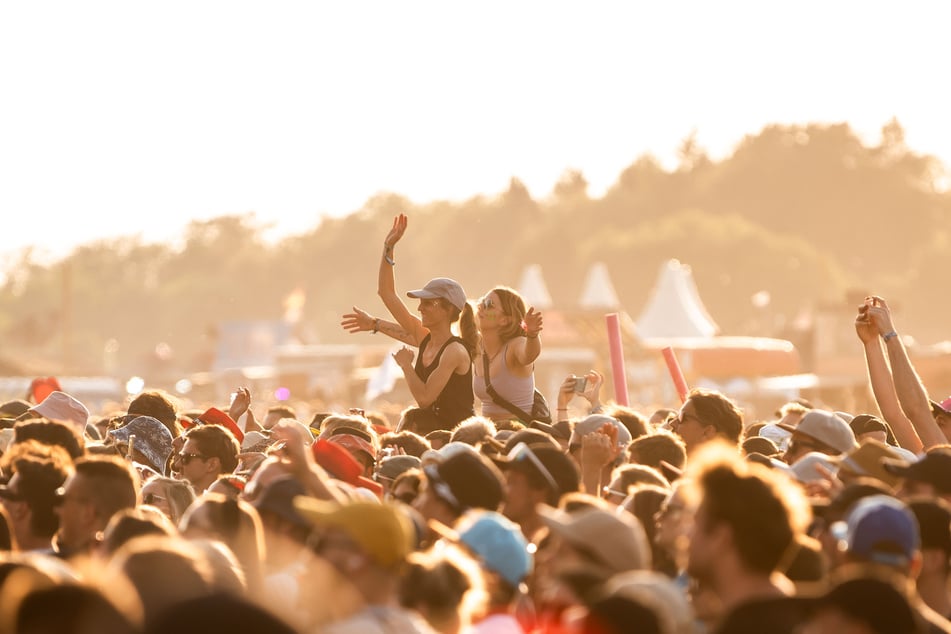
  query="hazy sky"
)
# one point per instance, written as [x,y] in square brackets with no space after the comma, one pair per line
[129,117]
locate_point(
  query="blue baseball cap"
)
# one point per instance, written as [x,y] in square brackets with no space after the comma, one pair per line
[880,529]
[496,542]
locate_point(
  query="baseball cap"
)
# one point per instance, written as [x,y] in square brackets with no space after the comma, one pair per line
[278,498]
[615,542]
[466,480]
[214,416]
[379,529]
[875,601]
[442,288]
[496,541]
[552,466]
[941,409]
[879,529]
[933,468]
[594,422]
[825,427]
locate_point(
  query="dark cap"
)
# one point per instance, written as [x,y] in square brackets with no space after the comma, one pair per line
[934,522]
[278,498]
[934,469]
[866,423]
[466,480]
[547,464]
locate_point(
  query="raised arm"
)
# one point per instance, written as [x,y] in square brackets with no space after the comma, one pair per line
[386,286]
[524,350]
[911,393]
[880,378]
[454,359]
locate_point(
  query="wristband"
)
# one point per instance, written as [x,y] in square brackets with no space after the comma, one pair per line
[889,335]
[376,327]
[387,249]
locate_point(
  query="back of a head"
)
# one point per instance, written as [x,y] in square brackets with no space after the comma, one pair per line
[113,485]
[160,406]
[42,470]
[50,432]
[660,446]
[131,523]
[237,524]
[217,613]
[71,609]
[164,571]
[438,584]
[474,431]
[636,423]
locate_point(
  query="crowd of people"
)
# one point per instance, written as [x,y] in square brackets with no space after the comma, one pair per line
[513,520]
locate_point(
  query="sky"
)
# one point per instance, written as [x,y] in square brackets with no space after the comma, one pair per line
[133,118]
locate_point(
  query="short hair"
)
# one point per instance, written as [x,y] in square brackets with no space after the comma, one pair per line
[130,523]
[113,485]
[473,431]
[636,474]
[41,474]
[441,584]
[713,408]
[214,441]
[636,423]
[159,405]
[421,420]
[765,510]
[438,435]
[412,443]
[50,432]
[164,572]
[360,426]
[661,446]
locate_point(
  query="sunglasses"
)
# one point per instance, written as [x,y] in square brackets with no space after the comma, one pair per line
[151,498]
[9,494]
[487,303]
[441,488]
[188,457]
[523,453]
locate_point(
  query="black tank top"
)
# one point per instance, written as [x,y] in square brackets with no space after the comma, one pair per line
[454,403]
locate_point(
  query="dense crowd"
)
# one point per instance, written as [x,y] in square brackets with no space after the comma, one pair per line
[253,517]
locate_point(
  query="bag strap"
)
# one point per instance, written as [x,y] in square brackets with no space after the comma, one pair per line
[496,397]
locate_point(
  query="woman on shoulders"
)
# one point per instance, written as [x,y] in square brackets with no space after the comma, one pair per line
[441,378]
[509,346]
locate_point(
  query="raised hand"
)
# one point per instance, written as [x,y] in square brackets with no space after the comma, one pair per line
[880,315]
[532,322]
[864,327]
[396,232]
[240,404]
[357,321]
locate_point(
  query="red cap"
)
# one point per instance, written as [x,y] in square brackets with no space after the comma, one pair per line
[214,416]
[340,464]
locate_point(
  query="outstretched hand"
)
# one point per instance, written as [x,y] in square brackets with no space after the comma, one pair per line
[532,322]
[397,231]
[357,321]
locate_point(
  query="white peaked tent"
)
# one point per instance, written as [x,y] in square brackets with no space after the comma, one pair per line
[533,289]
[598,292]
[674,308]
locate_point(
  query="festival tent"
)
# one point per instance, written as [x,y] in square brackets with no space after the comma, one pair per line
[675,309]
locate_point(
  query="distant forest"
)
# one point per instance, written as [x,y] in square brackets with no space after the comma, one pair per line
[806,213]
